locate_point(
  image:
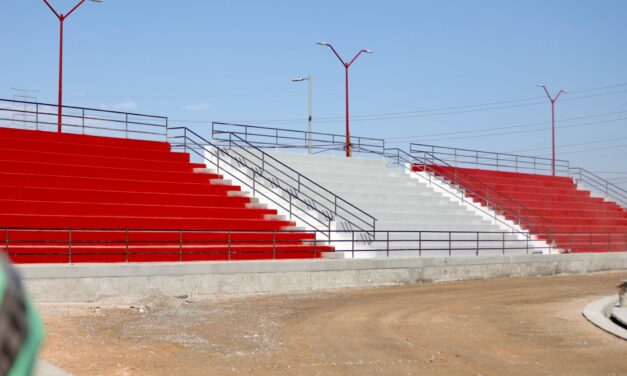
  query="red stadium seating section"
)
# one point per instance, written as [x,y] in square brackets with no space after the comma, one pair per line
[580,222]
[108,189]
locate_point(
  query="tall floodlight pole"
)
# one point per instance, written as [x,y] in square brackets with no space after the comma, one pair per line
[553,100]
[62,18]
[346,66]
[309,128]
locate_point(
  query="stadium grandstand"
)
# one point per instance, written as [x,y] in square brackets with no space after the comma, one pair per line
[125,187]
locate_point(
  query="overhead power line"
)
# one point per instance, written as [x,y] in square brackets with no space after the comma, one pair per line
[571,145]
[478,130]
[491,106]
[589,150]
[542,129]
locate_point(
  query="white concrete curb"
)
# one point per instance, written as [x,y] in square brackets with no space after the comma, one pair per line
[598,312]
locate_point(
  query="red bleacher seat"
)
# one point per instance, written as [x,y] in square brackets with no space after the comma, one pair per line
[580,222]
[127,200]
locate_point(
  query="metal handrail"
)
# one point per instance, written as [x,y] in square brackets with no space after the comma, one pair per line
[37,115]
[199,149]
[298,178]
[281,138]
[609,189]
[275,142]
[302,191]
[384,241]
[521,213]
[499,161]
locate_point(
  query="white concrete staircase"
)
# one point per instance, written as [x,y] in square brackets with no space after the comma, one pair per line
[401,202]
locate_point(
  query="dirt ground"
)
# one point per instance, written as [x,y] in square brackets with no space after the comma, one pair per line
[530,326]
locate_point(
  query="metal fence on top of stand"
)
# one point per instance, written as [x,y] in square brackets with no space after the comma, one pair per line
[82,120]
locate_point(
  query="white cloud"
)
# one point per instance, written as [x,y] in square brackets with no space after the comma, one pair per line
[120,106]
[197,107]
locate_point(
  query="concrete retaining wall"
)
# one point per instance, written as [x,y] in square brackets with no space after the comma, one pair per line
[91,282]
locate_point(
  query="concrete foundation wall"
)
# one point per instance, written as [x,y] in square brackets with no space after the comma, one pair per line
[91,282]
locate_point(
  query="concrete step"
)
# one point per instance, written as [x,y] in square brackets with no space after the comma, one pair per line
[434,218]
[414,236]
[327,159]
[403,226]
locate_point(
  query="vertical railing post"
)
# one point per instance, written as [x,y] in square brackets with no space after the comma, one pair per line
[477,251]
[180,245]
[419,243]
[70,246]
[254,180]
[450,245]
[273,244]
[353,244]
[387,247]
[36,116]
[83,120]
[329,228]
[503,242]
[126,246]
[290,206]
[527,242]
[228,241]
[185,140]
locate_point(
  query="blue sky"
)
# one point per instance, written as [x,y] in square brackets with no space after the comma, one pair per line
[198,61]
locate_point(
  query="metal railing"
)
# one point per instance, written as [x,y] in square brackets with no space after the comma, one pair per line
[82,120]
[497,202]
[518,163]
[600,185]
[489,160]
[126,245]
[467,188]
[140,245]
[279,138]
[301,197]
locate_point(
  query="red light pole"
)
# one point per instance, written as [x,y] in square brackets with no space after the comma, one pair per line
[553,100]
[346,66]
[62,18]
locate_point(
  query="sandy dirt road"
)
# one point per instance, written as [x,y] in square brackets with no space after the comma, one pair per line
[530,326]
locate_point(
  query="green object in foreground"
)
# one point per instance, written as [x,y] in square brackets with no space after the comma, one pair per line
[21,329]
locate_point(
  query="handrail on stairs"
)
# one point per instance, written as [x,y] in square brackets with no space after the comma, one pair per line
[290,190]
[521,163]
[493,199]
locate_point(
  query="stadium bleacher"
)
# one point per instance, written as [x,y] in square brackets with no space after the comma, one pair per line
[580,221]
[77,198]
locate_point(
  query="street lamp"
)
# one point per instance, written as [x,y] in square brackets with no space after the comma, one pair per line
[346,66]
[553,100]
[309,80]
[62,18]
